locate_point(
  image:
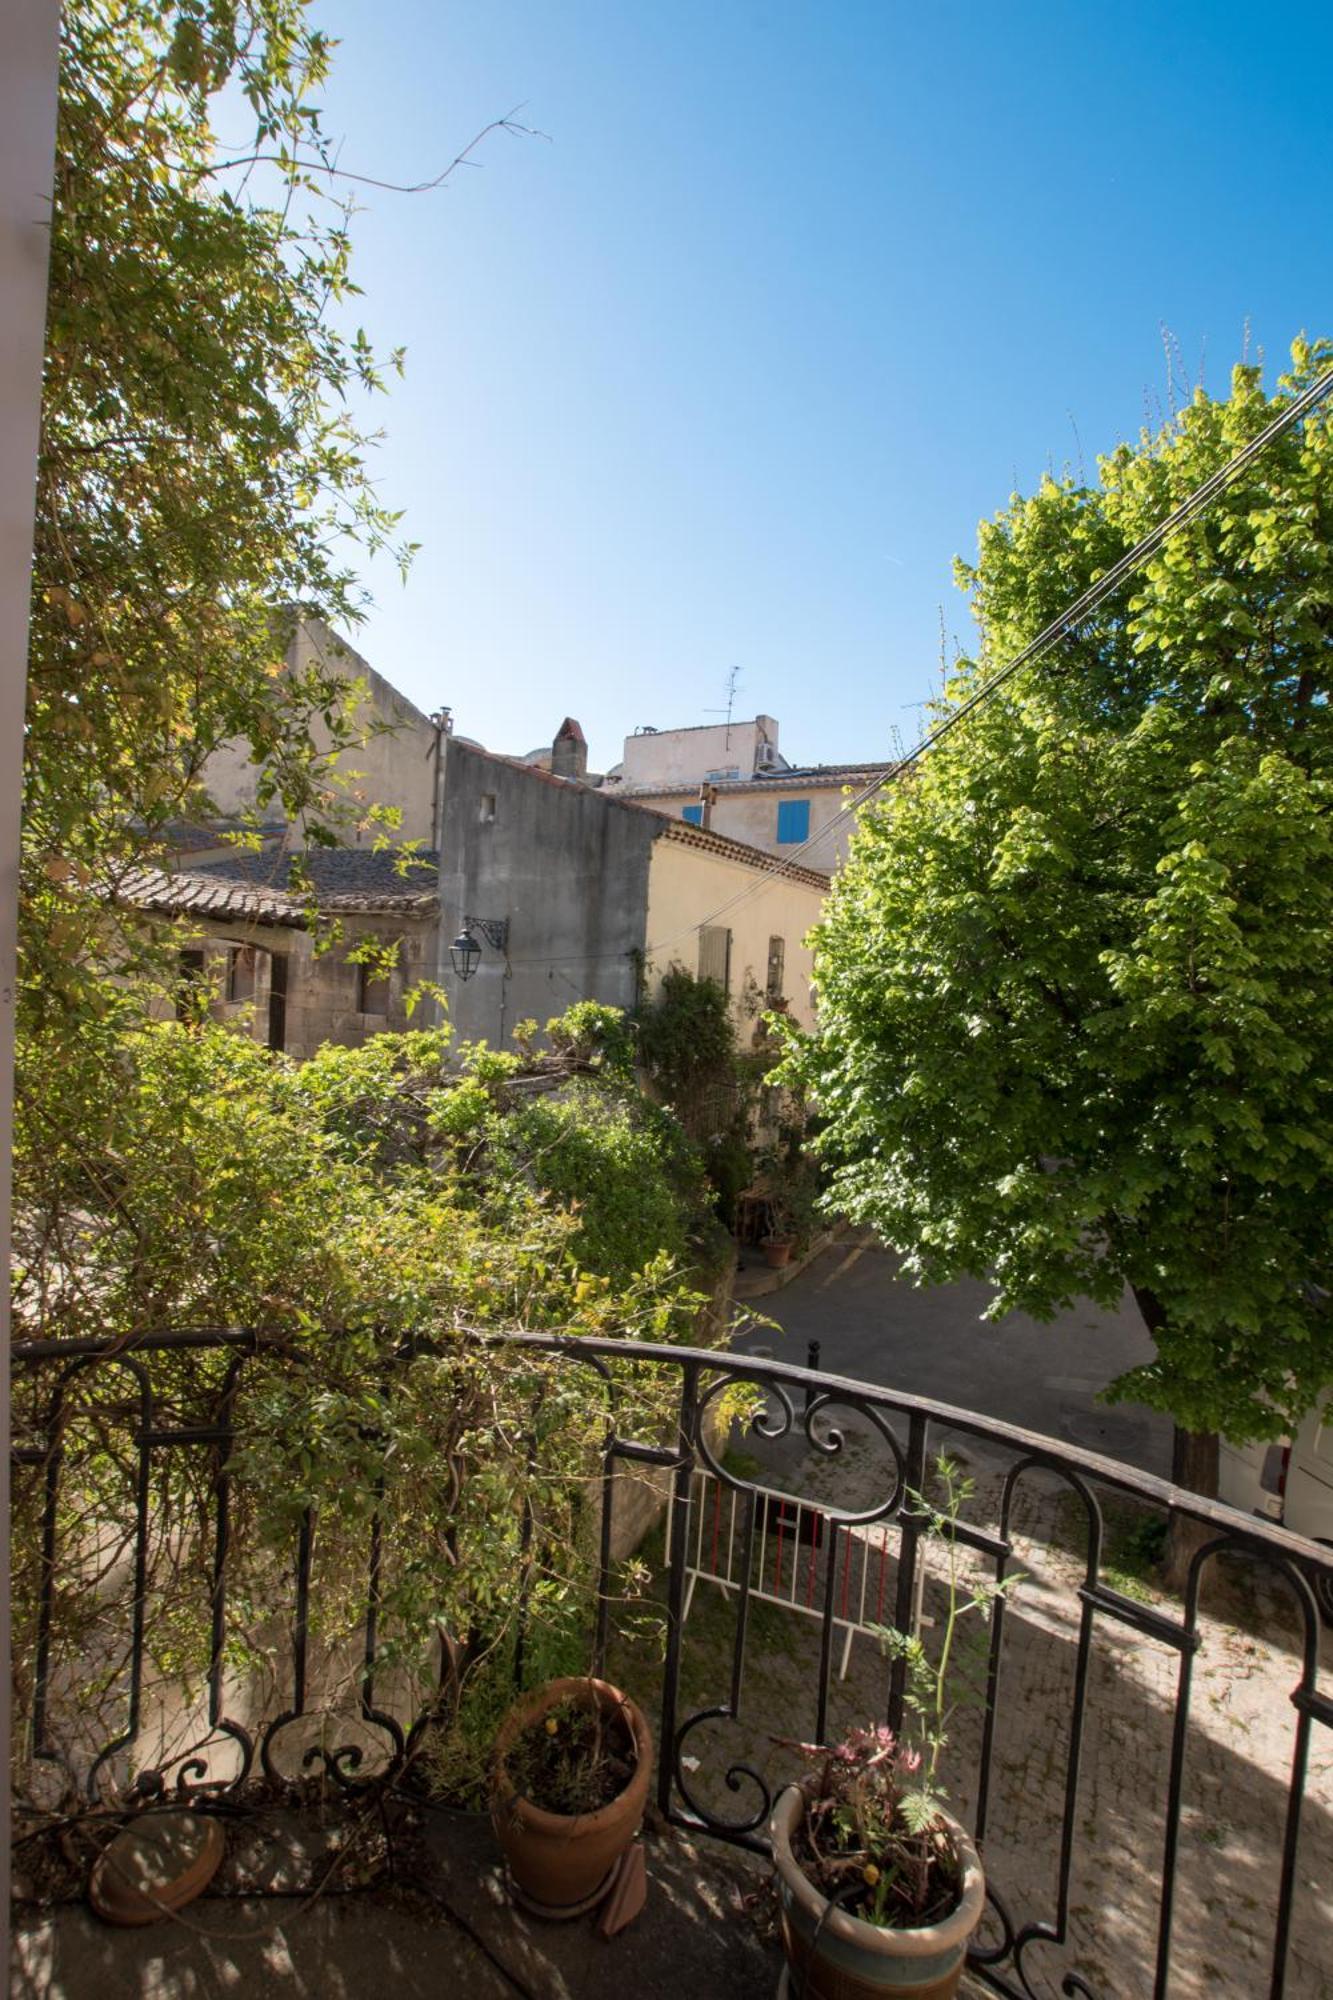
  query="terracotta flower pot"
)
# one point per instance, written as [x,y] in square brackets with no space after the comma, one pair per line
[777,1251]
[561,1863]
[834,1956]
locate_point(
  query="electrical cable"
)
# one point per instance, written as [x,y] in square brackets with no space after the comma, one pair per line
[1194,504]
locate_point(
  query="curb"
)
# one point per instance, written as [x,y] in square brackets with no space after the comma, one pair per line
[759,1284]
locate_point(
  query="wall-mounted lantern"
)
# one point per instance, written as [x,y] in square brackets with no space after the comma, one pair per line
[465,952]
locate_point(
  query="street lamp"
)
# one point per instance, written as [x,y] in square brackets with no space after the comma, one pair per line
[465,952]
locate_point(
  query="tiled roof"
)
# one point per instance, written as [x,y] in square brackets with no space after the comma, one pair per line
[733,850]
[257,888]
[334,871]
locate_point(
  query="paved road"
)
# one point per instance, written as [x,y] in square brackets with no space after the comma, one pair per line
[873,1325]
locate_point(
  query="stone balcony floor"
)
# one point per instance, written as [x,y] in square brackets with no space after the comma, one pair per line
[450,1932]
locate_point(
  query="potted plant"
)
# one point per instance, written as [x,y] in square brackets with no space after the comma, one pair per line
[569,1782]
[790,1189]
[880,1889]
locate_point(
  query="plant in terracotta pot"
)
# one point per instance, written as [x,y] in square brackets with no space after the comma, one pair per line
[569,1782]
[880,1888]
[791,1189]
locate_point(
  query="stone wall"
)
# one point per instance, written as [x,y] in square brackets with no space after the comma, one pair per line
[323,988]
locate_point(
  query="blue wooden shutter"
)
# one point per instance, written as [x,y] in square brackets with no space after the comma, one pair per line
[793,821]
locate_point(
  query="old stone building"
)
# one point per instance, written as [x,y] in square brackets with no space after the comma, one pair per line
[556,884]
[395,760]
[247,936]
[246,919]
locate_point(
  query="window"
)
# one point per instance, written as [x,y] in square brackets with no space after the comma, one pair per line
[192,987]
[777,952]
[372,991]
[241,972]
[793,821]
[487,813]
[277,1001]
[694,814]
[715,956]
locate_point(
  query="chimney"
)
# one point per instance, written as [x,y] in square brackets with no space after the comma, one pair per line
[569,752]
[707,800]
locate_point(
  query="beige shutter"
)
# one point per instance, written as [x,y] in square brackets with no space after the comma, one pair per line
[715,956]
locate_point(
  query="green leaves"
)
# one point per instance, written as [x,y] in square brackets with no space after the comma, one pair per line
[201,463]
[1075,1026]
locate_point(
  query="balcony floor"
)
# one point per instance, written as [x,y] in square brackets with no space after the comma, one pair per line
[453,1935]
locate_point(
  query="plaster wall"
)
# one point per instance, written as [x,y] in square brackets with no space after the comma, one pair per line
[688,755]
[565,866]
[394,764]
[753,818]
[686,884]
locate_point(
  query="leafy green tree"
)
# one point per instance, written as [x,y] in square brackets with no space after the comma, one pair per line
[201,461]
[1076,1011]
[373,1212]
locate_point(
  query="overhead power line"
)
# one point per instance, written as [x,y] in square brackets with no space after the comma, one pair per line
[1074,615]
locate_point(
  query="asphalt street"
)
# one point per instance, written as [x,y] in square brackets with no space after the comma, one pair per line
[874,1325]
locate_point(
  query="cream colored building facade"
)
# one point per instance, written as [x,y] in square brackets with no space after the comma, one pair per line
[753,939]
[397,760]
[731,778]
[713,749]
[805,812]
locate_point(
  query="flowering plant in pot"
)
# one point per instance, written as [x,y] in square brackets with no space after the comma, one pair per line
[569,1782]
[880,1888]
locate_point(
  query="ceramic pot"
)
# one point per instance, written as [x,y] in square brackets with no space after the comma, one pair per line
[834,1956]
[560,1863]
[777,1251]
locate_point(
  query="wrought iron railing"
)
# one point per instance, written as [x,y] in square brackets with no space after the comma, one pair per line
[843,1498]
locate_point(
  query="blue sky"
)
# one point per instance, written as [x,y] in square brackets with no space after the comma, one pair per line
[727,371]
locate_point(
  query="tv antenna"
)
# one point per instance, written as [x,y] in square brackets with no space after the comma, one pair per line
[733,682]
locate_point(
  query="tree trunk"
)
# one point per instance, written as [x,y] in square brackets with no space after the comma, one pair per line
[1195,1465]
[1196,1461]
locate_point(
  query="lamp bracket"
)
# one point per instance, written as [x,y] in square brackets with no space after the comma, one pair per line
[495,930]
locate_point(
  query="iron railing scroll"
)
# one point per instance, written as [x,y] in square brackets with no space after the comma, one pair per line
[762,1524]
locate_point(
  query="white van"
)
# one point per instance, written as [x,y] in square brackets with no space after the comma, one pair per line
[1289,1483]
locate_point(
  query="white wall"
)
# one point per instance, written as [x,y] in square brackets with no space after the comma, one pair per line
[686,756]
[29,42]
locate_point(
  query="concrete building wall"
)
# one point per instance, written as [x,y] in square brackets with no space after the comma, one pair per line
[752,816]
[394,764]
[686,884]
[568,870]
[666,756]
